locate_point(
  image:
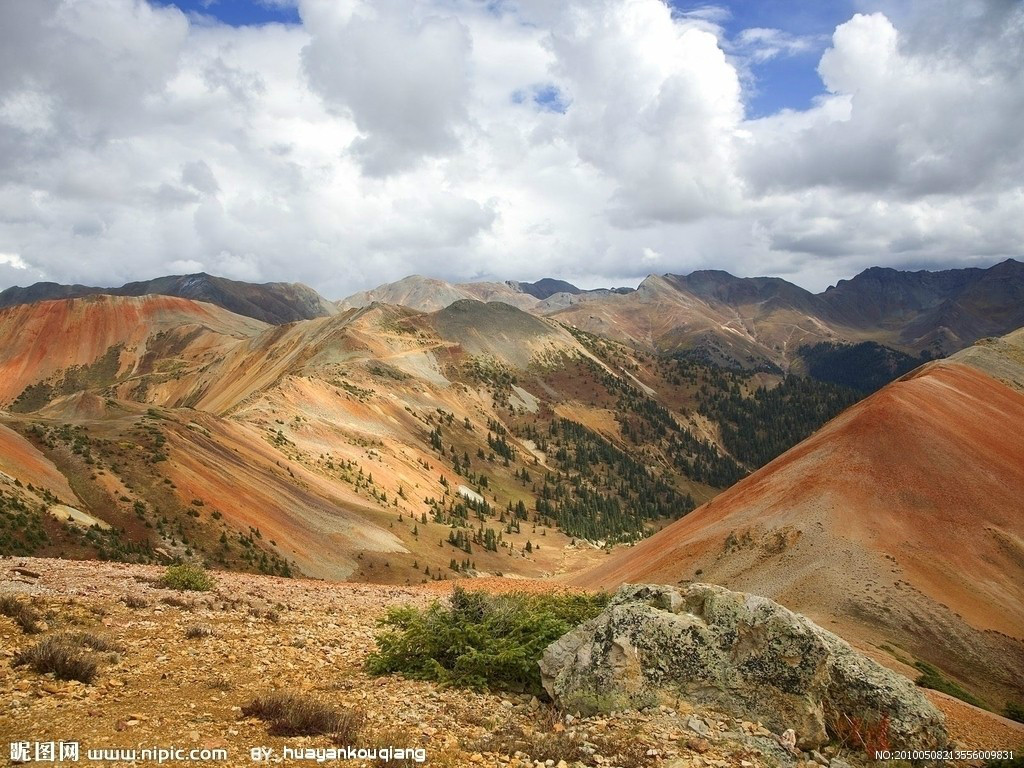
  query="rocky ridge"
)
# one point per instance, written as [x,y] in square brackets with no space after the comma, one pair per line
[740,653]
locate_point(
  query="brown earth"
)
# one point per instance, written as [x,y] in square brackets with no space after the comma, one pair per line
[309,637]
[978,729]
[900,522]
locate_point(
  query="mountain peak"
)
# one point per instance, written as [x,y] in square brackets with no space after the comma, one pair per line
[274,303]
[544,288]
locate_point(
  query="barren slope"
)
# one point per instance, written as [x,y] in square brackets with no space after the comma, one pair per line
[729,320]
[901,521]
[428,294]
[333,447]
[1001,358]
[40,340]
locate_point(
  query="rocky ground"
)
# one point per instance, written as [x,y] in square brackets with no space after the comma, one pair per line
[168,689]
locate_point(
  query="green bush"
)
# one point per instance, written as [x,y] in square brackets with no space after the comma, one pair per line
[932,678]
[1014,711]
[481,640]
[1017,761]
[187,578]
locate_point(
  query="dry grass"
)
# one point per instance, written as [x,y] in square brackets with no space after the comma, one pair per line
[96,642]
[23,614]
[135,601]
[397,737]
[70,656]
[538,745]
[267,614]
[178,602]
[858,733]
[291,714]
[197,631]
[541,742]
[60,656]
[220,682]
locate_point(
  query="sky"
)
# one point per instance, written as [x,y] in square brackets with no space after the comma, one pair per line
[347,143]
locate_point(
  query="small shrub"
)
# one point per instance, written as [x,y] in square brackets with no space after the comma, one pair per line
[196,631]
[220,682]
[540,744]
[96,642]
[187,578]
[1017,761]
[135,601]
[932,678]
[60,656]
[1014,711]
[23,614]
[267,614]
[871,736]
[291,714]
[480,641]
[178,602]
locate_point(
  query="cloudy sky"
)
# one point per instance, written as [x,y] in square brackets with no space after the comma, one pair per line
[345,143]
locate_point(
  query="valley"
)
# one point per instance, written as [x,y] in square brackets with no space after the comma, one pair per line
[476,440]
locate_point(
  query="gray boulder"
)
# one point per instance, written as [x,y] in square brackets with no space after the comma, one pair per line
[738,653]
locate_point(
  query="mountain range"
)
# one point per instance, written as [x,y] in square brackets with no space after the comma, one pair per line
[750,323]
[854,454]
[275,303]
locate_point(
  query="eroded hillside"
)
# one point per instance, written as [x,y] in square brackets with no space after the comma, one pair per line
[380,444]
[899,521]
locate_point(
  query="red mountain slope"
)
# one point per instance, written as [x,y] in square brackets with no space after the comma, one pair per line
[39,340]
[902,521]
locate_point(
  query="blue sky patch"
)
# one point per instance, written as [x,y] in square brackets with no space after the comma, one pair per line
[546,97]
[550,99]
[240,13]
[789,80]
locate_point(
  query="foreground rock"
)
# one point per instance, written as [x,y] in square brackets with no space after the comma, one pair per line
[739,653]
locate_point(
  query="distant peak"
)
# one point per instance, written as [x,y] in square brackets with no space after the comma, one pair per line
[1008,265]
[543,288]
[719,274]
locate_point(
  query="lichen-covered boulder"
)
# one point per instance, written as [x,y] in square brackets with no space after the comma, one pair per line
[741,654]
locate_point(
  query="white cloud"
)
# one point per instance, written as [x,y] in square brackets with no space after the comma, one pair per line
[13,260]
[654,103]
[14,271]
[761,44]
[590,139]
[400,70]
